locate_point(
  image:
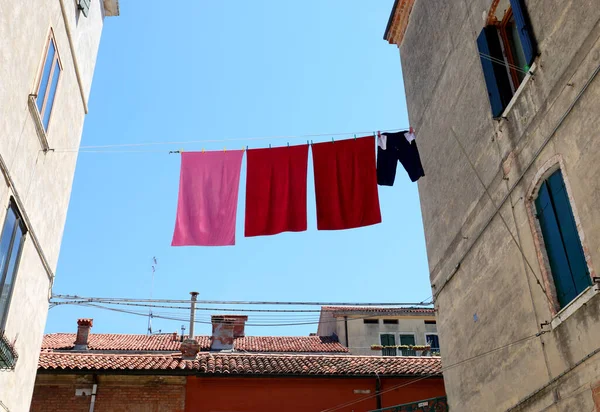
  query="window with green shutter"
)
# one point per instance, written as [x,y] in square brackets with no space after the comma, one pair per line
[561,239]
[388,339]
[410,341]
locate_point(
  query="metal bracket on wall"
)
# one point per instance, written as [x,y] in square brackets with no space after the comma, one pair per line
[596,281]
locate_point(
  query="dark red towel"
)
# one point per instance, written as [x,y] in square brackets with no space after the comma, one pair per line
[346,184]
[276,190]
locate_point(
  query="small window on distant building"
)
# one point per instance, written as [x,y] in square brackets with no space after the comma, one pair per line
[388,339]
[507,50]
[48,81]
[371,321]
[430,322]
[11,242]
[408,340]
[561,239]
[433,341]
[390,321]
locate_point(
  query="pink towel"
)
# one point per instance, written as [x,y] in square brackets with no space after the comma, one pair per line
[208,195]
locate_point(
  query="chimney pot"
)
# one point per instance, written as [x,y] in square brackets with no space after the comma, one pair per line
[83,331]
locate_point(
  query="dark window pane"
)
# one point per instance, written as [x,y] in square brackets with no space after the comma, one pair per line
[51,94]
[7,230]
[45,75]
[7,287]
[434,342]
[373,321]
[390,321]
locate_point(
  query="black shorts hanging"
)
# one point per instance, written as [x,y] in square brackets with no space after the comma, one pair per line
[398,148]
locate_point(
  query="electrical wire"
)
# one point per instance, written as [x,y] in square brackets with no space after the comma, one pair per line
[305,136]
[243,302]
[183,318]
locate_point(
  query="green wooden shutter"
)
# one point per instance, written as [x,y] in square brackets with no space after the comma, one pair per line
[568,230]
[388,339]
[557,256]
[84,6]
[408,340]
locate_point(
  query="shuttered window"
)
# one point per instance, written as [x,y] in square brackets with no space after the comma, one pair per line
[408,340]
[561,239]
[388,339]
[507,49]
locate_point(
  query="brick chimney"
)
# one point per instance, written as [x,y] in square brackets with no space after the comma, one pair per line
[83,332]
[224,329]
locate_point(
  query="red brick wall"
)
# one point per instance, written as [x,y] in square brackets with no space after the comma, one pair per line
[54,393]
[300,394]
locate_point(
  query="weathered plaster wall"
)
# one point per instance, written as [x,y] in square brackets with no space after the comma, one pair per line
[42,180]
[493,299]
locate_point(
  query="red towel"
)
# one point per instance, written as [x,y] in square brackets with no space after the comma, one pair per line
[346,184]
[276,190]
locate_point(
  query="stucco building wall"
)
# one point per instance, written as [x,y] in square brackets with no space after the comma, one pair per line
[486,295]
[40,181]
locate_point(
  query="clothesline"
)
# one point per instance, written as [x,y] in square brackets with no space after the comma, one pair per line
[99,148]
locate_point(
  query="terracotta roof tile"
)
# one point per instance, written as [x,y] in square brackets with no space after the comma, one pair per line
[166,343]
[378,309]
[245,364]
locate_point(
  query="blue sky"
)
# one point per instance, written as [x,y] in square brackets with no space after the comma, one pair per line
[228,70]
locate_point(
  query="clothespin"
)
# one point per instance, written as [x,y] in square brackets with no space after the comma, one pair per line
[288,144]
[332,140]
[246,147]
[354,137]
[224,149]
[411,130]
[181,150]
[378,133]
[269,145]
[202,150]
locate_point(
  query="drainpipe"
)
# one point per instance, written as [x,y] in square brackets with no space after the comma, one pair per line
[346,328]
[94,389]
[193,313]
[378,391]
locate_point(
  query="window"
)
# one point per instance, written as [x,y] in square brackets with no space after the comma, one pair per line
[563,246]
[11,242]
[388,339]
[507,50]
[390,321]
[407,340]
[48,82]
[430,322]
[433,341]
[371,321]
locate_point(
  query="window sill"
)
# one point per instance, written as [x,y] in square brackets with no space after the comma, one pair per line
[528,77]
[39,126]
[581,300]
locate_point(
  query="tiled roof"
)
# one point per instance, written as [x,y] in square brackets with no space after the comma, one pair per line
[378,309]
[244,364]
[144,343]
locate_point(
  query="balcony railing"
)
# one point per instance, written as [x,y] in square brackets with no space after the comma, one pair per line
[427,405]
[8,354]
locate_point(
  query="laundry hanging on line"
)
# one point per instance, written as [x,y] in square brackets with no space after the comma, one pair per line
[394,147]
[346,184]
[276,190]
[208,195]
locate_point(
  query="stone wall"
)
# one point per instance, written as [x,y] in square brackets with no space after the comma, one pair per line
[488,296]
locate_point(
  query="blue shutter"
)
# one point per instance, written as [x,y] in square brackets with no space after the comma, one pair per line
[489,75]
[524,28]
[559,264]
[568,230]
